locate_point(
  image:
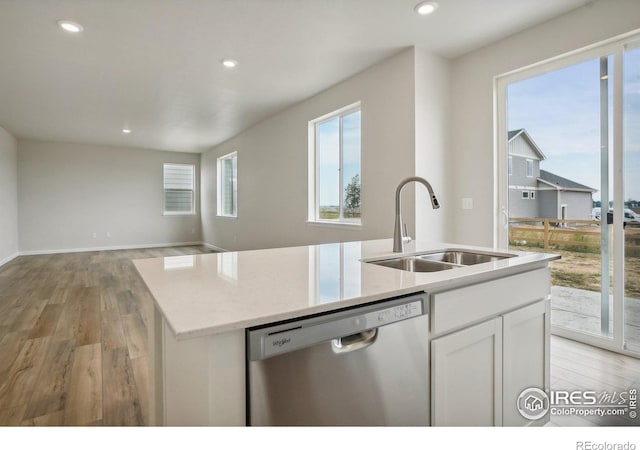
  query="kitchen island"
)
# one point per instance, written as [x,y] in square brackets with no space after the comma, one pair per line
[204,304]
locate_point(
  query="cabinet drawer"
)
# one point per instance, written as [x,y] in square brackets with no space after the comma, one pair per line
[461,307]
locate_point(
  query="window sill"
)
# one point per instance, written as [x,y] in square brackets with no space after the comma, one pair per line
[179,214]
[343,225]
[218,216]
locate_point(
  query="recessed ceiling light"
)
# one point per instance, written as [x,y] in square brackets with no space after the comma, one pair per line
[126,130]
[230,63]
[426,8]
[69,26]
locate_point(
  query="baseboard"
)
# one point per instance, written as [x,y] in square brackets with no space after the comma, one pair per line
[115,247]
[8,259]
[213,247]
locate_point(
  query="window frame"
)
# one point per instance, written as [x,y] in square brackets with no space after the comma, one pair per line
[219,188]
[529,165]
[193,211]
[525,195]
[313,212]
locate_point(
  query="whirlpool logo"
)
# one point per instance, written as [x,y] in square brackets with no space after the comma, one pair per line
[280,342]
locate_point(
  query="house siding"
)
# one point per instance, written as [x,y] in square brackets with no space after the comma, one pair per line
[548,199]
[519,176]
[579,204]
[519,146]
[520,152]
[519,207]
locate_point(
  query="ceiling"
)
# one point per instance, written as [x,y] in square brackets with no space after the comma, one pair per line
[154,65]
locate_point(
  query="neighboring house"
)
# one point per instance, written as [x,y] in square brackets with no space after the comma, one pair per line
[524,169]
[564,199]
[537,193]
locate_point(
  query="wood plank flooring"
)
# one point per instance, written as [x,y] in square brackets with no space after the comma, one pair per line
[73,344]
[73,338]
[580,367]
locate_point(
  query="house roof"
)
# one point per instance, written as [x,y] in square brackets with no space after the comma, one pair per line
[515,133]
[563,183]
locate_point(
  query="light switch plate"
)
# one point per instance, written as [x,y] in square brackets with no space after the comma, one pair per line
[467,203]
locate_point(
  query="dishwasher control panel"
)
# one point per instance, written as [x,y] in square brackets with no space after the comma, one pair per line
[278,339]
[400,312]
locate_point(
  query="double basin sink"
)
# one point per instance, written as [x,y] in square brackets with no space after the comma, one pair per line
[439,260]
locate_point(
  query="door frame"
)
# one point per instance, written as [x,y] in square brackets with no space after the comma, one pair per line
[614,47]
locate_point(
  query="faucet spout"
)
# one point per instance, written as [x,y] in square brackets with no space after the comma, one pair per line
[399,236]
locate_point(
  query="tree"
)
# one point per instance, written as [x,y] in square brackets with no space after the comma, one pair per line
[352,196]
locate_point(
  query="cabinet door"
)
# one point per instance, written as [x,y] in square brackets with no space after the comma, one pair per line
[467,376]
[526,358]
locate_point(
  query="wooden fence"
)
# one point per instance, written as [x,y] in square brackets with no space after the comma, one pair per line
[570,234]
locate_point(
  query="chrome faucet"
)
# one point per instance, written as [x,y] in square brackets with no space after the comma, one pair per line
[400,234]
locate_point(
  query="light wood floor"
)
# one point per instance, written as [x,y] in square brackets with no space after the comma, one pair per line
[73,344]
[73,338]
[580,367]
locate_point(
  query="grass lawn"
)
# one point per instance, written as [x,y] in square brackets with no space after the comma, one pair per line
[332,214]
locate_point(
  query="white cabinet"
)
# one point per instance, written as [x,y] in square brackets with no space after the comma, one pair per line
[478,371]
[525,358]
[466,375]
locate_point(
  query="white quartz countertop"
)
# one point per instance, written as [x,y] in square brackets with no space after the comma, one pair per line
[213,293]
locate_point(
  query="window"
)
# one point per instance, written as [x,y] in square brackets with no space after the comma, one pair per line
[510,165]
[228,185]
[334,167]
[525,195]
[179,187]
[529,167]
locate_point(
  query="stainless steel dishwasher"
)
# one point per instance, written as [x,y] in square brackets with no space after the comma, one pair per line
[368,365]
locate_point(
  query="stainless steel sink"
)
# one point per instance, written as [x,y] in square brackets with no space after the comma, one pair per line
[464,257]
[439,260]
[414,264]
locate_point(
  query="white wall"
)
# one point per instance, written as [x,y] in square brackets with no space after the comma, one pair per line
[272,161]
[66,192]
[8,197]
[432,94]
[472,100]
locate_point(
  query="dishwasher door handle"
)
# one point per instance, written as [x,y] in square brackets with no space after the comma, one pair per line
[354,342]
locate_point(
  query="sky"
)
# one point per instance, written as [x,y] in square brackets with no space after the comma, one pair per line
[561,112]
[329,139]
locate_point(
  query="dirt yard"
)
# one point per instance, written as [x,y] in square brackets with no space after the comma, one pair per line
[583,271]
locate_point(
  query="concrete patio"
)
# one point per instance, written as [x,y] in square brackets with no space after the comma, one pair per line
[579,309]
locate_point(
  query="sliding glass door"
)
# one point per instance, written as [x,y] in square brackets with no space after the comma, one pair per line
[568,170]
[631,213]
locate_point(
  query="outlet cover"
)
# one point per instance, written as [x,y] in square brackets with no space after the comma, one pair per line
[467,203]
